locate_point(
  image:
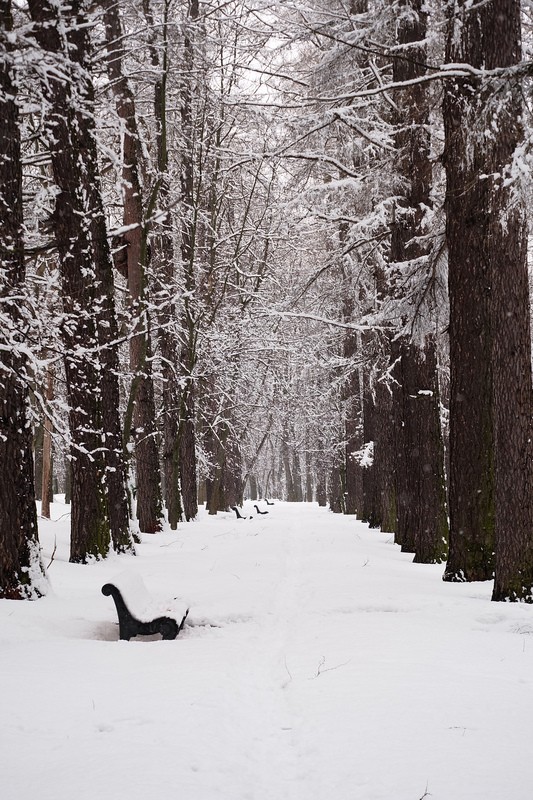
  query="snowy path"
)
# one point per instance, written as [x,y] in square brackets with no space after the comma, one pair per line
[332,669]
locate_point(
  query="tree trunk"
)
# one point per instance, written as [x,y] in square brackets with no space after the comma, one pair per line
[163,272]
[38,437]
[506,243]
[104,308]
[336,490]
[216,492]
[369,513]
[90,535]
[253,487]
[289,482]
[297,477]
[21,571]
[422,518]
[68,481]
[421,502]
[321,486]
[353,430]
[491,405]
[308,478]
[46,478]
[379,501]
[351,394]
[186,431]
[469,238]
[149,511]
[105,314]
[202,492]
[233,474]
[385,463]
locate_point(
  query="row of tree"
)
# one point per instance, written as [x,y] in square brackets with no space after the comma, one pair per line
[279,250]
[446,118]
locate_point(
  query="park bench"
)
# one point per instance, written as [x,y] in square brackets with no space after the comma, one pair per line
[139,613]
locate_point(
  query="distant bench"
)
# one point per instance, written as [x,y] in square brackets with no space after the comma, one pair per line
[140,614]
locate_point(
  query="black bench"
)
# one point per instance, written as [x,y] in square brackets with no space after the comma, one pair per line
[139,614]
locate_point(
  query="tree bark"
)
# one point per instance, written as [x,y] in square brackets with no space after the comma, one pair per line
[321,488]
[351,390]
[68,481]
[491,505]
[308,497]
[233,474]
[421,500]
[422,517]
[336,490]
[385,463]
[46,477]
[353,429]
[104,308]
[186,446]
[471,480]
[290,487]
[164,279]
[148,496]
[90,534]
[38,436]
[216,497]
[21,571]
[297,477]
[369,512]
[226,485]
[507,240]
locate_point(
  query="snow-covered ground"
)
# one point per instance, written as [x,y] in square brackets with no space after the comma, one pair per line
[320,664]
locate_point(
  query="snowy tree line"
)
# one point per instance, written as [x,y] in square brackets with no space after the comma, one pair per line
[267,249]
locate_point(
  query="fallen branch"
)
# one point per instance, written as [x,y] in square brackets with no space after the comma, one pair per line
[322,661]
[53,553]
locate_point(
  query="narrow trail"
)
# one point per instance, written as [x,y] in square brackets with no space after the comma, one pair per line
[283,681]
[268,648]
[284,773]
[270,758]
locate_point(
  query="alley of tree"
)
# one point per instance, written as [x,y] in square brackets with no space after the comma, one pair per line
[267,250]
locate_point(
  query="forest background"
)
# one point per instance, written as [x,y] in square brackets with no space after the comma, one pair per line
[267,249]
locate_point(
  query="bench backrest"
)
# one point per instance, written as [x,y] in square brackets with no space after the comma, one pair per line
[134,593]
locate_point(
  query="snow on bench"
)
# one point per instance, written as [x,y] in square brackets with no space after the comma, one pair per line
[141,614]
